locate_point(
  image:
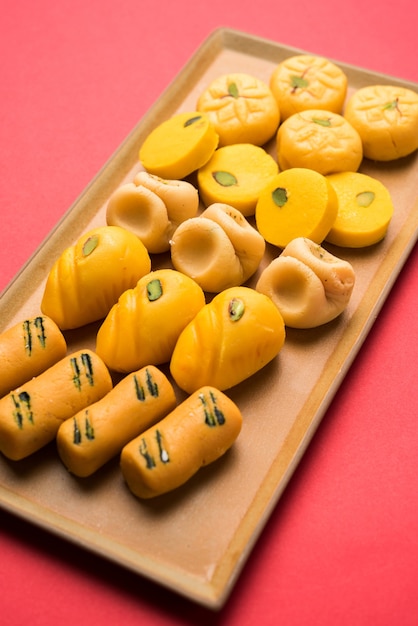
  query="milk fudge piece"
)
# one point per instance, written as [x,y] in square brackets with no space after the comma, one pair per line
[386,118]
[97,433]
[319,140]
[27,349]
[197,432]
[304,81]
[31,414]
[242,109]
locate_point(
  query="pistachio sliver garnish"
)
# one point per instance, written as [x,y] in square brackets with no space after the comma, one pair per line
[226,179]
[154,290]
[233,90]
[279,196]
[236,309]
[90,244]
[365,198]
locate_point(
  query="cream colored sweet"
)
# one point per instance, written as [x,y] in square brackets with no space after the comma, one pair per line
[305,81]
[319,140]
[96,434]
[31,414]
[196,433]
[386,118]
[242,109]
[27,349]
[309,285]
[218,249]
[152,207]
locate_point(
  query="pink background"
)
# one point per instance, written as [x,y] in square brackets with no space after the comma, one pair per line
[342,545]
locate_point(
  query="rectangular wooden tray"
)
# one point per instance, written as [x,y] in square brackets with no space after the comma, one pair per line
[196,540]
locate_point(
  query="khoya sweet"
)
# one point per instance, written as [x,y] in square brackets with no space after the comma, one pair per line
[27,349]
[89,276]
[242,109]
[196,433]
[386,118]
[230,339]
[365,210]
[305,81]
[236,175]
[309,285]
[97,433]
[27,422]
[298,202]
[218,249]
[179,146]
[319,140]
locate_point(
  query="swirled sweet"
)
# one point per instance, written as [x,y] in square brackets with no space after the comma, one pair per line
[230,339]
[218,249]
[88,278]
[309,285]
[143,327]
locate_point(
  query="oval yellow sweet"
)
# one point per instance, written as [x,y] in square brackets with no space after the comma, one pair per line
[230,339]
[88,278]
[143,327]
[365,210]
[179,145]
[241,107]
[386,118]
[298,202]
[319,140]
[236,175]
[304,81]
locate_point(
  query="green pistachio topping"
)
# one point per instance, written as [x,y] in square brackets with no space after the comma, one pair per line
[192,120]
[236,309]
[90,244]
[321,121]
[154,290]
[279,196]
[226,179]
[365,198]
[389,106]
[298,82]
[233,90]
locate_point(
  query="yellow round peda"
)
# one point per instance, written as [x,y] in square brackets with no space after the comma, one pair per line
[386,118]
[319,140]
[303,82]
[242,109]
